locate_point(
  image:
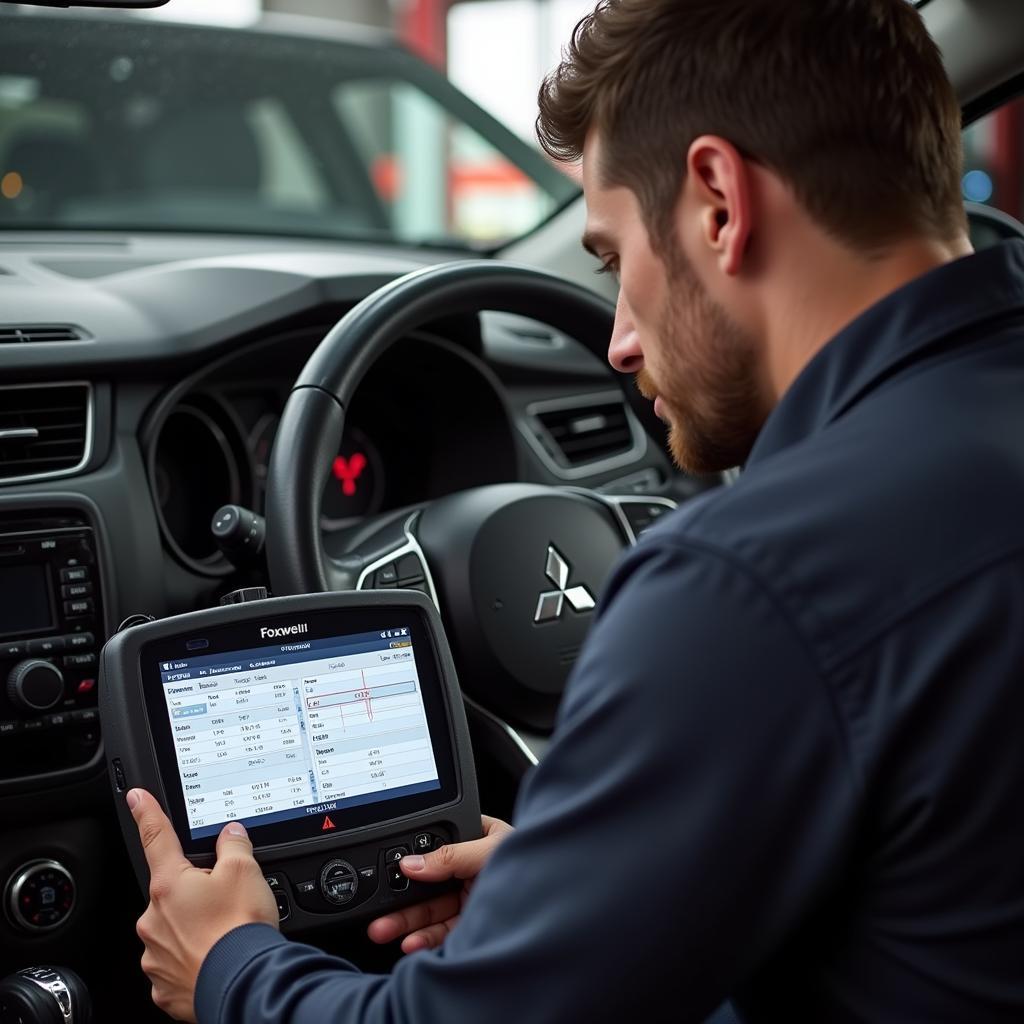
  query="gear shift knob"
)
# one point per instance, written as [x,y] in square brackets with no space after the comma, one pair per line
[44,995]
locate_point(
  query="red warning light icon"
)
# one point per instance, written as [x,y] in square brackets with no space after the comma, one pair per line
[328,824]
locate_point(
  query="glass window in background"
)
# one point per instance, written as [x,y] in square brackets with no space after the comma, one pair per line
[436,176]
[994,160]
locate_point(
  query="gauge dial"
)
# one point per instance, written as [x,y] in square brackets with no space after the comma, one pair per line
[355,487]
[355,484]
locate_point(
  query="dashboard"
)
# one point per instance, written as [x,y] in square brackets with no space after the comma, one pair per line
[143,381]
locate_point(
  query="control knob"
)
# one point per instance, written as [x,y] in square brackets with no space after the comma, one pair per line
[35,686]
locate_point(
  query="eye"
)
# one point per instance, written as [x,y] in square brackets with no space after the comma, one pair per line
[611,266]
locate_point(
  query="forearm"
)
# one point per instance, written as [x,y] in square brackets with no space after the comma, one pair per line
[256,976]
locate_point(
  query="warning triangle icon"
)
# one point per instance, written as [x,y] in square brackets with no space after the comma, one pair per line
[328,824]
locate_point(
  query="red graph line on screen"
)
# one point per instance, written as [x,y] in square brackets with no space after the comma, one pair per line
[368,698]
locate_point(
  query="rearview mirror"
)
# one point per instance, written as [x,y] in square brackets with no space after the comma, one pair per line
[133,4]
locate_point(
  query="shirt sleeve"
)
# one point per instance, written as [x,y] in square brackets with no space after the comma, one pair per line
[691,811]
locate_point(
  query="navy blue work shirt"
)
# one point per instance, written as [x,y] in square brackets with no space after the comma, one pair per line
[789,766]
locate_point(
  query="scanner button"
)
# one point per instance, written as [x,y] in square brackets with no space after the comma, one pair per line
[119,780]
[395,854]
[284,908]
[338,882]
[424,842]
[397,881]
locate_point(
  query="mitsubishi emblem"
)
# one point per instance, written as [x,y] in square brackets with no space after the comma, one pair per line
[551,602]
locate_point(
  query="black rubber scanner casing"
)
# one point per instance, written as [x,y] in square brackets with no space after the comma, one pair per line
[131,756]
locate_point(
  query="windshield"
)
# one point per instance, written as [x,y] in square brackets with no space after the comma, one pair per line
[119,124]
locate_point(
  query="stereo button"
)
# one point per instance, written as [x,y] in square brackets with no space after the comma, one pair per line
[81,607]
[78,641]
[10,728]
[35,686]
[70,590]
[49,645]
[79,660]
[13,650]
[74,575]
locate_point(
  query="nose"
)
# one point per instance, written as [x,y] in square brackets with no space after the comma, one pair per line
[624,349]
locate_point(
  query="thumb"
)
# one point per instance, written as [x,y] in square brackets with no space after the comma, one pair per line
[458,860]
[156,833]
[233,844]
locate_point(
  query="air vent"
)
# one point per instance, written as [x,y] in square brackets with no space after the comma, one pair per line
[534,334]
[27,334]
[45,430]
[586,432]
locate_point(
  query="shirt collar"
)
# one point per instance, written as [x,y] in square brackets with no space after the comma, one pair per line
[944,302]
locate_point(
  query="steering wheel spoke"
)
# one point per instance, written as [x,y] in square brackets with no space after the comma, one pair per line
[634,513]
[404,566]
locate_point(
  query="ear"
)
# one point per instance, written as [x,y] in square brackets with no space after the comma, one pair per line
[719,179]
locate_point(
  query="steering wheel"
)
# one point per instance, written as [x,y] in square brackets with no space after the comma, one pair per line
[514,568]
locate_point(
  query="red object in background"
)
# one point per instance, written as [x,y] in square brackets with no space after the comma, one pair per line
[423,27]
[348,471]
[387,177]
[1008,159]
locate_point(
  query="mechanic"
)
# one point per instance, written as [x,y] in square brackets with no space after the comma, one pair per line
[788,767]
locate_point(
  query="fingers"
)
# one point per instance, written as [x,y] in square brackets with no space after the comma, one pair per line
[457,860]
[159,843]
[493,827]
[428,938]
[413,919]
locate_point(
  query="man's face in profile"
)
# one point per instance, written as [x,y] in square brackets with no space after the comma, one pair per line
[689,356]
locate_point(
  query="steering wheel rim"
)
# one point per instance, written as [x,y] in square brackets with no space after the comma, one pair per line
[313,420]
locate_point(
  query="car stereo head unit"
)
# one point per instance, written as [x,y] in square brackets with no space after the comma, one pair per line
[331,726]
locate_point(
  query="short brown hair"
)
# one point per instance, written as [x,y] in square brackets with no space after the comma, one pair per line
[846,100]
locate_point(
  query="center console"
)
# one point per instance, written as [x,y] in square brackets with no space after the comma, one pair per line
[51,629]
[331,726]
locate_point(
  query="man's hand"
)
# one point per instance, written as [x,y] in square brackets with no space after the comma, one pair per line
[427,924]
[192,908]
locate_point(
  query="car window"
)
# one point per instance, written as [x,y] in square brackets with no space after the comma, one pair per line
[994,164]
[132,125]
[434,174]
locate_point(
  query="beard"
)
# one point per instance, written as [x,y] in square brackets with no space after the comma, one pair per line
[708,378]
